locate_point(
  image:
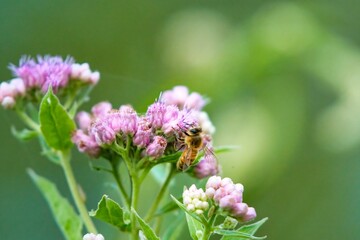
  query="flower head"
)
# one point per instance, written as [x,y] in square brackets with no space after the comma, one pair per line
[229,196]
[195,200]
[92,236]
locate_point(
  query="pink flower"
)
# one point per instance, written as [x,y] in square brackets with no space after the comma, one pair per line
[207,167]
[84,120]
[103,132]
[100,109]
[157,147]
[228,196]
[155,114]
[143,133]
[194,101]
[86,143]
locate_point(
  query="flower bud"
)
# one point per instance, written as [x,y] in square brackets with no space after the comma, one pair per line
[101,109]
[103,133]
[208,166]
[84,120]
[8,102]
[249,215]
[86,143]
[155,114]
[194,101]
[195,200]
[92,236]
[157,147]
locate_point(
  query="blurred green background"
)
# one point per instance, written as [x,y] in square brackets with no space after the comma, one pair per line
[284,80]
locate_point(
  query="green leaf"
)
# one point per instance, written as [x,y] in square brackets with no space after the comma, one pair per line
[194,226]
[170,206]
[222,149]
[169,158]
[109,211]
[252,228]
[234,234]
[249,230]
[68,221]
[173,231]
[23,135]
[194,221]
[55,123]
[48,152]
[147,230]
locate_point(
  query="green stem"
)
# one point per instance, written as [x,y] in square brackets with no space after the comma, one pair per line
[123,194]
[28,121]
[70,178]
[134,203]
[135,184]
[144,174]
[160,195]
[209,227]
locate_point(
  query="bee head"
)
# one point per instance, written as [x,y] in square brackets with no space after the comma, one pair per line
[194,131]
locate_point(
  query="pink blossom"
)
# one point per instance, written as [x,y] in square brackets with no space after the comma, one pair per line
[157,147]
[207,167]
[86,143]
[143,133]
[100,109]
[155,114]
[84,120]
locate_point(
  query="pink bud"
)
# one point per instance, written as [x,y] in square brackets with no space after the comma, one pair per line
[239,209]
[8,102]
[100,109]
[84,120]
[227,202]
[214,182]
[94,77]
[194,101]
[19,86]
[86,143]
[103,133]
[155,114]
[249,215]
[157,147]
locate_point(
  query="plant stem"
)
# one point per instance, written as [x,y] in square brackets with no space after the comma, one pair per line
[70,178]
[160,195]
[27,120]
[135,185]
[134,202]
[123,193]
[209,227]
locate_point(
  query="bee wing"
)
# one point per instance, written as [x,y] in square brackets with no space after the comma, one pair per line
[187,159]
[209,150]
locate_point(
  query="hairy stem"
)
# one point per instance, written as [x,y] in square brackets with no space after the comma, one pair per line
[70,178]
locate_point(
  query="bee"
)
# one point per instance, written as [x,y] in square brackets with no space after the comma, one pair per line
[192,143]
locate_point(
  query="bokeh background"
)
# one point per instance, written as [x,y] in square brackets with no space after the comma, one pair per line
[284,80]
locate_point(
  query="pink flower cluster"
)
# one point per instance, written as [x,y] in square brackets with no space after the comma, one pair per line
[229,197]
[154,133]
[41,73]
[9,91]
